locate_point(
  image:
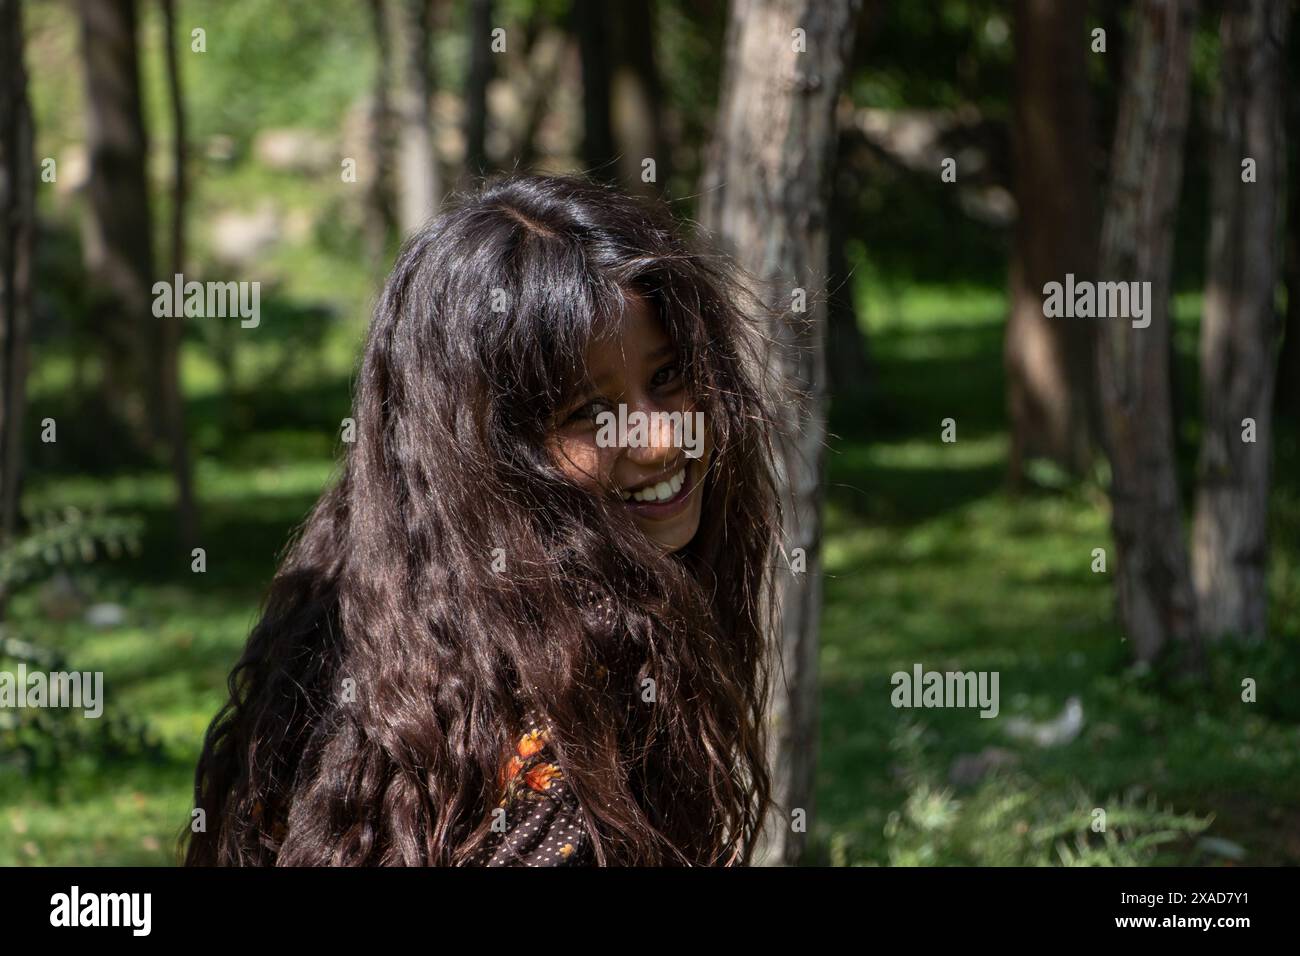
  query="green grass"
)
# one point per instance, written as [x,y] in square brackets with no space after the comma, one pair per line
[928,559]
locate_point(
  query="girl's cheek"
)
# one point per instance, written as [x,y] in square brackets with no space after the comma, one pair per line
[582,461]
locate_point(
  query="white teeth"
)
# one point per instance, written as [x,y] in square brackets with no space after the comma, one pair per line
[659,492]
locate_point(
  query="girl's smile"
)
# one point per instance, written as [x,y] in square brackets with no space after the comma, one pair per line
[663,498]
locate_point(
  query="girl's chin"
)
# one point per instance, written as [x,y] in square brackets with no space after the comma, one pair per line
[671,544]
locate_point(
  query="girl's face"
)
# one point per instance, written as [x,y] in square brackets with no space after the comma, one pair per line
[656,480]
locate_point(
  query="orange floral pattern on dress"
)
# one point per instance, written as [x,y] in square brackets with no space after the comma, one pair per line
[531,743]
[543,825]
[529,772]
[510,770]
[541,776]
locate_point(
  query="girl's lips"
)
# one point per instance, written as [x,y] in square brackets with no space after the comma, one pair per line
[658,510]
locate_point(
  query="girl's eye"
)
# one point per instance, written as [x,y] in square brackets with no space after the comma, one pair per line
[585,413]
[666,376]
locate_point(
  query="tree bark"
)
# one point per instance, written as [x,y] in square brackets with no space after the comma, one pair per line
[173,395]
[17,251]
[1288,363]
[1050,361]
[1239,327]
[1153,580]
[476,84]
[764,197]
[533,75]
[418,179]
[637,99]
[381,215]
[117,227]
[591,29]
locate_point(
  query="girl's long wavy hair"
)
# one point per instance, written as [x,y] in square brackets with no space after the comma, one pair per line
[375,700]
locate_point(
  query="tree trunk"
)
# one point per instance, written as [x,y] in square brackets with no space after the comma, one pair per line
[1049,361]
[533,76]
[1239,328]
[173,396]
[381,216]
[764,197]
[17,250]
[591,29]
[476,84]
[638,99]
[1153,580]
[418,182]
[1288,364]
[117,233]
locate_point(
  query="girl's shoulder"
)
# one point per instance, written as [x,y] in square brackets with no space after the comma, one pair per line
[537,821]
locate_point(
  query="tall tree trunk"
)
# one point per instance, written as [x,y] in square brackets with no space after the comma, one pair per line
[173,396]
[1049,361]
[476,84]
[591,28]
[117,234]
[1240,325]
[637,99]
[17,250]
[1153,579]
[533,75]
[418,181]
[1288,364]
[764,196]
[381,216]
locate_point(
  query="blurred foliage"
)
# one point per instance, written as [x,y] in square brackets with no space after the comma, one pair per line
[45,742]
[54,539]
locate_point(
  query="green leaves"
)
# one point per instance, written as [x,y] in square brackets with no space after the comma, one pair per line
[55,540]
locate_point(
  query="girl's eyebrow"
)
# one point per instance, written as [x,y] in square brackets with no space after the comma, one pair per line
[668,348]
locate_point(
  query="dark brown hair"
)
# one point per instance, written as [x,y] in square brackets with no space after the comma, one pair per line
[377,695]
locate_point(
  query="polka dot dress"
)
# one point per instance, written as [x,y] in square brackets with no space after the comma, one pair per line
[542,826]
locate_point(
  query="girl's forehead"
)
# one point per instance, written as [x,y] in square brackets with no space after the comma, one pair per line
[629,337]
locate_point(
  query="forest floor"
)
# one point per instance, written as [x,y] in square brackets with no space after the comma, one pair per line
[928,560]
[931,560]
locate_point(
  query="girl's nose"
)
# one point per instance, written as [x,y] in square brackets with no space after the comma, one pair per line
[662,442]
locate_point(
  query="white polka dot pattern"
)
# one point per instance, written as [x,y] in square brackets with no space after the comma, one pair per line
[543,825]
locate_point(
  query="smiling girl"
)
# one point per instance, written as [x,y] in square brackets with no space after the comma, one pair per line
[498,640]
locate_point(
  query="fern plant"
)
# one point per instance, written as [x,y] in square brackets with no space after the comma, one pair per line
[38,742]
[54,539]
